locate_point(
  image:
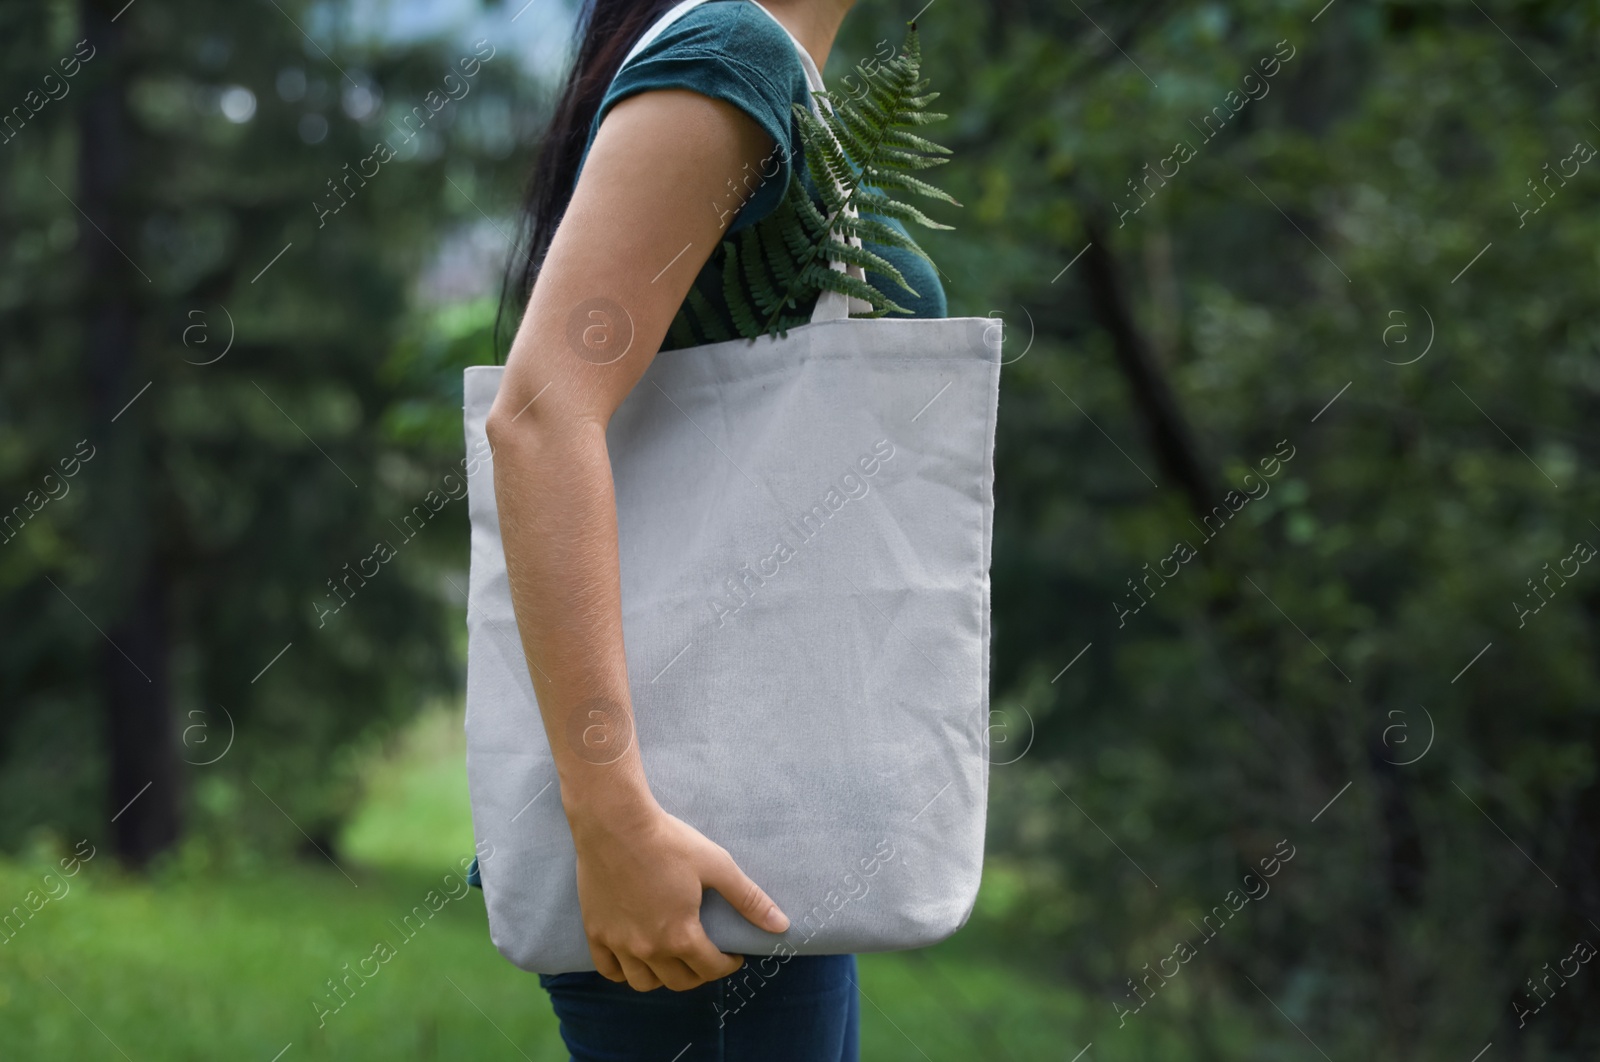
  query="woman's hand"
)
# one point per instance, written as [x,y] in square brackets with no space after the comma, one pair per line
[641,878]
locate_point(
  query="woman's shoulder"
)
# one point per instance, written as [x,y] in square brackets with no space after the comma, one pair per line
[722,36]
[734,51]
[730,50]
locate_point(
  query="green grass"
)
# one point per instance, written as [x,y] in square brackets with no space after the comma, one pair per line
[200,964]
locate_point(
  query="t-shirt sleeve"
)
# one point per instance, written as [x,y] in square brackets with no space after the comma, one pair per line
[728,51]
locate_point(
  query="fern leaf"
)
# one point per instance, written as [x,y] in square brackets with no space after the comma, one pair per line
[855,134]
[878,104]
[860,256]
[901,138]
[826,162]
[882,233]
[763,290]
[706,318]
[779,258]
[739,307]
[858,150]
[890,179]
[893,208]
[836,280]
[905,160]
[800,204]
[810,228]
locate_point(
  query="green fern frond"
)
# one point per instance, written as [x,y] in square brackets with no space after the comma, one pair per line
[759,273]
[855,132]
[826,279]
[810,220]
[856,153]
[911,142]
[905,160]
[780,260]
[883,179]
[866,199]
[706,318]
[827,162]
[850,254]
[738,299]
[882,233]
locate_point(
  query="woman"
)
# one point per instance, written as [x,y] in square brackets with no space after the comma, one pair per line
[639,180]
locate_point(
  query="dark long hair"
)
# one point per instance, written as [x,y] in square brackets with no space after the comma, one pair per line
[606,31]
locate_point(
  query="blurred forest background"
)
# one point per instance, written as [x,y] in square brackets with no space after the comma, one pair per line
[1292,459]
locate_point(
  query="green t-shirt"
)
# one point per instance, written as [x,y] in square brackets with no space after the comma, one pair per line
[727,50]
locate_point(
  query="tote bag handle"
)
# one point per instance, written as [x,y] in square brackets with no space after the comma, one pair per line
[831,305]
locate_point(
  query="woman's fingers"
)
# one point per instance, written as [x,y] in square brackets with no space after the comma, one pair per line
[640,977]
[676,974]
[605,962]
[706,960]
[723,874]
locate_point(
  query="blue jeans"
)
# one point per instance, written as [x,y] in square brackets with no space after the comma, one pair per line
[796,1008]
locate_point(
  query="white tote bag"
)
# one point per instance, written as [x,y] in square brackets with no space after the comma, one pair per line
[804,528]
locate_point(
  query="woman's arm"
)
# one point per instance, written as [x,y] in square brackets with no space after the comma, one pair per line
[642,222]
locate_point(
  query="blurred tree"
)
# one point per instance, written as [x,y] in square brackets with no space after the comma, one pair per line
[206,279]
[1224,235]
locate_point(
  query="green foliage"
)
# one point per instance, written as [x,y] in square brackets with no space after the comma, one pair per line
[246,480]
[861,147]
[1385,155]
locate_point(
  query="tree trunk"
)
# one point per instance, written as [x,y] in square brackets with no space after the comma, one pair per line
[143,785]
[1168,432]
[143,788]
